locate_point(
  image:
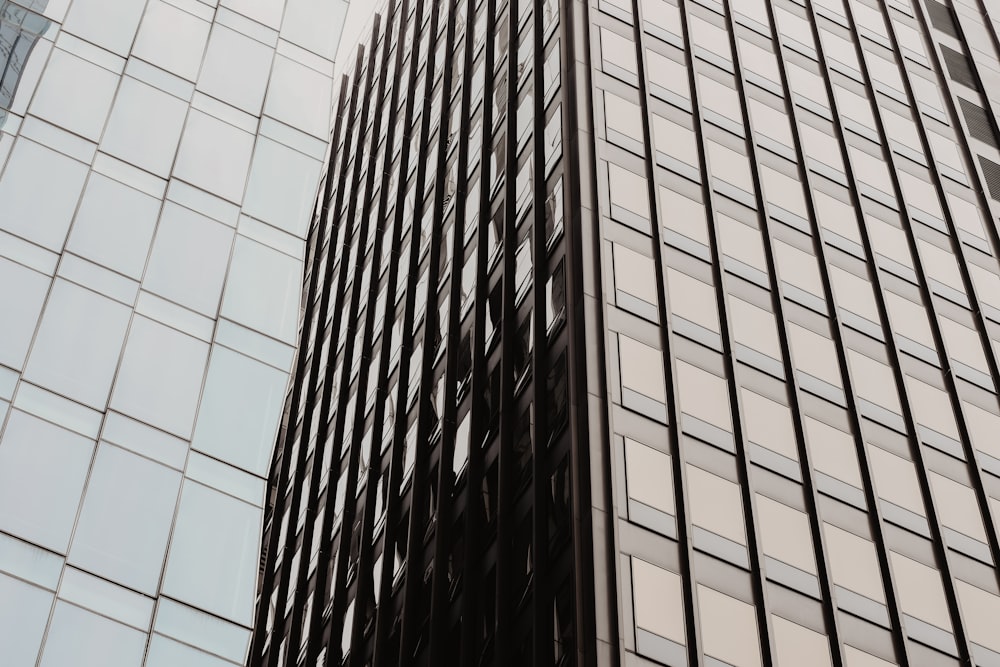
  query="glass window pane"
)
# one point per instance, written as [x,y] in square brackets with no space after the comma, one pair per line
[160,377]
[262,290]
[172,39]
[895,479]
[110,24]
[703,395]
[77,346]
[785,534]
[125,522]
[33,207]
[75,94]
[23,616]
[957,506]
[648,476]
[683,216]
[980,611]
[189,259]
[282,187]
[657,598]
[641,368]
[628,190]
[82,639]
[213,553]
[240,410]
[874,381]
[692,299]
[715,504]
[754,327]
[728,628]
[920,590]
[617,51]
[853,562]
[857,658]
[164,652]
[796,645]
[236,69]
[634,274]
[21,308]
[42,472]
[814,354]
[145,127]
[769,424]
[832,451]
[214,155]
[932,407]
[114,226]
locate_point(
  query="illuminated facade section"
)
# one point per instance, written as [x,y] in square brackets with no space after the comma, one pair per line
[680,350]
[159,162]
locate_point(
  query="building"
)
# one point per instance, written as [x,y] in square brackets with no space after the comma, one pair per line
[649,332]
[158,166]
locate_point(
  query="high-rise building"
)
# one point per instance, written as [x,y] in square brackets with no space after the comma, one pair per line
[158,166]
[649,332]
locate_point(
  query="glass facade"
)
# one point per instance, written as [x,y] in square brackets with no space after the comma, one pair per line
[647,332]
[158,166]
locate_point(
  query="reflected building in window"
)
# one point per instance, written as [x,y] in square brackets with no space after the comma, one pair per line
[158,166]
[649,332]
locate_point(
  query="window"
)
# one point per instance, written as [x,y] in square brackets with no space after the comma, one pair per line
[853,563]
[814,354]
[768,424]
[78,637]
[854,293]
[754,327]
[798,268]
[622,117]
[920,591]
[692,299]
[704,396]
[874,381]
[785,534]
[648,477]
[932,407]
[641,375]
[715,504]
[674,141]
[832,451]
[656,595]
[741,242]
[628,192]
[796,645]
[635,281]
[980,611]
[957,506]
[895,480]
[728,628]
[619,54]
[683,216]
[727,165]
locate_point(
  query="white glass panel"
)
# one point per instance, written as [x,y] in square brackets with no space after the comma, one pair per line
[42,472]
[262,291]
[127,511]
[282,187]
[39,191]
[75,94]
[145,127]
[657,594]
[236,69]
[78,343]
[189,259]
[728,628]
[160,377]
[24,613]
[214,156]
[114,225]
[240,410]
[300,96]
[213,553]
[111,24]
[20,308]
[172,39]
[82,639]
